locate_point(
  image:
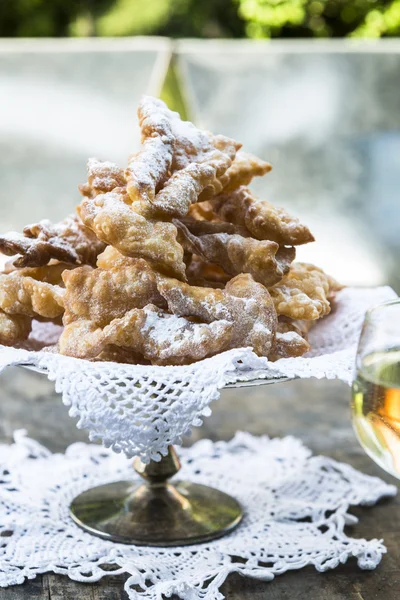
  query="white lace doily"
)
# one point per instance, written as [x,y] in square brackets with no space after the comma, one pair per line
[296,508]
[140,410]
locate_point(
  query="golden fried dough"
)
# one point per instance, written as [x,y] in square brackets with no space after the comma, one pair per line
[185,186]
[264,260]
[301,327]
[262,219]
[157,336]
[291,339]
[288,345]
[243,302]
[168,145]
[303,293]
[168,261]
[202,273]
[68,241]
[206,227]
[243,169]
[111,258]
[14,328]
[132,234]
[167,339]
[100,295]
[103,176]
[20,295]
[28,293]
[148,169]
[241,172]
[202,211]
[51,273]
[192,145]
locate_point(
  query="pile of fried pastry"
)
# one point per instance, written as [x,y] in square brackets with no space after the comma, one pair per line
[168,261]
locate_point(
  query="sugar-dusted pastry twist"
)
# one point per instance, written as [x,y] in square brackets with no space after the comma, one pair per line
[241,172]
[262,219]
[243,169]
[166,339]
[185,186]
[68,241]
[243,302]
[264,260]
[103,176]
[171,146]
[303,293]
[100,295]
[98,302]
[133,234]
[148,169]
[189,143]
[152,333]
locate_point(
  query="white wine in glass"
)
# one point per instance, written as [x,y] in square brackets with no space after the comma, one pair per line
[376,387]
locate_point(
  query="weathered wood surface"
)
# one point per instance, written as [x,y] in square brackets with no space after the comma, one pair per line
[315,411]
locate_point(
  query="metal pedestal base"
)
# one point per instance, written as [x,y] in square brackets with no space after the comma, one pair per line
[156,513]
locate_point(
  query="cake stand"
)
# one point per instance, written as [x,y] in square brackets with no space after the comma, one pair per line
[158,512]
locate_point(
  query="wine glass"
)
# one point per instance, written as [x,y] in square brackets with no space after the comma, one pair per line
[376,387]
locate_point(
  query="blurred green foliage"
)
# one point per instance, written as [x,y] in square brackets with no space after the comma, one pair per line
[200,18]
[320,18]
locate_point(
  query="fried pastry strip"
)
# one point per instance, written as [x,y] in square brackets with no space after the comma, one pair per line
[291,339]
[20,295]
[157,336]
[202,211]
[170,144]
[134,235]
[262,219]
[288,344]
[303,293]
[103,176]
[301,327]
[264,260]
[243,302]
[14,328]
[243,169]
[206,227]
[68,241]
[201,273]
[111,258]
[148,169]
[190,144]
[26,294]
[166,339]
[101,295]
[185,186]
[51,273]
[241,172]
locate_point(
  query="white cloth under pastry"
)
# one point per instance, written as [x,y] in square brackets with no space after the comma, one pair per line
[296,508]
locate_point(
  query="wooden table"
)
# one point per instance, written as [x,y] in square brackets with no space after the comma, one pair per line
[315,411]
